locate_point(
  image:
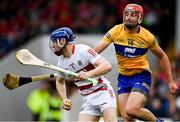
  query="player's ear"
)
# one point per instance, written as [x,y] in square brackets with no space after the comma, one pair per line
[64,41]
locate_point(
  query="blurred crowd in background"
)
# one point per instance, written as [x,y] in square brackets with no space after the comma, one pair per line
[160,102]
[22,20]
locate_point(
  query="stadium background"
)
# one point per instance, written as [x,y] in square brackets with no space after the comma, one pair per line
[27,23]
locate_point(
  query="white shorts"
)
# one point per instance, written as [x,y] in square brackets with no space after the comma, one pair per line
[95,103]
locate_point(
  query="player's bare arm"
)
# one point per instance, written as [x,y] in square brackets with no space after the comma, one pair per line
[102,67]
[61,88]
[165,64]
[101,46]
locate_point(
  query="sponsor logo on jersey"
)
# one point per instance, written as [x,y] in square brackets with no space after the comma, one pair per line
[129,50]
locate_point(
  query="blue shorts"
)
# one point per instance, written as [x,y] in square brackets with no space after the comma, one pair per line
[139,82]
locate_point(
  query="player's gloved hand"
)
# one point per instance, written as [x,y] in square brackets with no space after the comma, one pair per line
[67,104]
[83,75]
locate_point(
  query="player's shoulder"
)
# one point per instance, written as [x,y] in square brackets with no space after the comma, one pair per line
[147,35]
[114,31]
[82,47]
[118,26]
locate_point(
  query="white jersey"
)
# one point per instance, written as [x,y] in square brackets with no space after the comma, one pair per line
[82,59]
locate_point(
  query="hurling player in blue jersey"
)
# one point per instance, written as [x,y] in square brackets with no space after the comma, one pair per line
[131,42]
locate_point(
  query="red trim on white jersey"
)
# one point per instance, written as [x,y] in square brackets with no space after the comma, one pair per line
[96,90]
[82,59]
[81,88]
[92,52]
[88,67]
[73,49]
[89,85]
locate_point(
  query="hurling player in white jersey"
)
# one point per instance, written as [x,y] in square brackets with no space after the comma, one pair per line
[98,100]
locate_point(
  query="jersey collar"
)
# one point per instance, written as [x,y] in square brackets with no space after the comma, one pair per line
[73,49]
[132,33]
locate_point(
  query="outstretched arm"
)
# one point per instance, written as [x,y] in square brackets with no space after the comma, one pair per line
[101,46]
[61,88]
[165,64]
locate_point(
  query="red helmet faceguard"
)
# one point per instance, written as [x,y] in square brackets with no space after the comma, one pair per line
[135,7]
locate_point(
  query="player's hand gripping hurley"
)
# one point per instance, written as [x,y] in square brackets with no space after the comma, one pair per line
[25,57]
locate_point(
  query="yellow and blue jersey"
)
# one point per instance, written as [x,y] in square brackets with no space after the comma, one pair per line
[131,49]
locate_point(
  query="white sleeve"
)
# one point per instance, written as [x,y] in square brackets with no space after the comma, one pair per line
[89,54]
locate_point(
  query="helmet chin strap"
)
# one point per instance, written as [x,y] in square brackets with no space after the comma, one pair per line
[60,44]
[63,46]
[140,18]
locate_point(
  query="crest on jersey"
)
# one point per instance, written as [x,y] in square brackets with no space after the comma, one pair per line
[79,62]
[130,42]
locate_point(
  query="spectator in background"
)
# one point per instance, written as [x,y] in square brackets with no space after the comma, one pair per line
[37,102]
[176,101]
[44,104]
[26,19]
[159,102]
[55,111]
[162,104]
